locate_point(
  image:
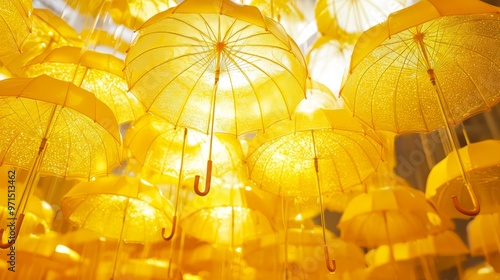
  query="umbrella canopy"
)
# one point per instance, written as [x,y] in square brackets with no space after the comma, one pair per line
[15,25]
[48,32]
[235,65]
[482,163]
[388,86]
[282,160]
[303,248]
[79,134]
[385,216]
[484,238]
[353,17]
[415,73]
[227,216]
[124,208]
[96,72]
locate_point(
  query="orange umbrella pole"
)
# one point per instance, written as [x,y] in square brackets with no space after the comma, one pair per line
[331,265]
[460,269]
[450,134]
[208,178]
[389,244]
[179,182]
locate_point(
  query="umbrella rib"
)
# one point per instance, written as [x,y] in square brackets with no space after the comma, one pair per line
[209,28]
[266,59]
[351,158]
[475,85]
[380,76]
[11,32]
[202,33]
[68,151]
[234,98]
[9,146]
[168,33]
[265,73]
[24,120]
[424,120]
[163,63]
[378,60]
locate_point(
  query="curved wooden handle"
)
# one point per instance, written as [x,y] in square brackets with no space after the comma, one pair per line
[168,238]
[330,265]
[18,228]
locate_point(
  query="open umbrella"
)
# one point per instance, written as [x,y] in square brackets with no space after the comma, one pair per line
[317,152]
[216,67]
[302,253]
[123,208]
[482,163]
[229,216]
[164,150]
[428,66]
[15,25]
[96,72]
[67,133]
[481,271]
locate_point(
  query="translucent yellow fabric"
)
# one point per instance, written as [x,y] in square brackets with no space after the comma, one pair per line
[303,247]
[109,205]
[48,32]
[15,25]
[385,216]
[226,216]
[345,19]
[281,160]
[482,162]
[83,140]
[481,271]
[157,146]
[131,13]
[96,72]
[389,85]
[173,63]
[484,238]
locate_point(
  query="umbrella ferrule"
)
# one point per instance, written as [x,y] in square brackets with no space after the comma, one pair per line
[42,145]
[432,77]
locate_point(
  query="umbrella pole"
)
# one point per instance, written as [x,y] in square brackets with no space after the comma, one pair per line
[284,215]
[208,178]
[31,182]
[495,231]
[120,239]
[425,266]
[450,134]
[330,265]
[179,182]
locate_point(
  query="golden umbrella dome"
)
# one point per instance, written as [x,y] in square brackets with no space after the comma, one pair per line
[484,238]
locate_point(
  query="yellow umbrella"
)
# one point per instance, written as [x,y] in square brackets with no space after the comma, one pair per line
[303,248]
[124,208]
[216,67]
[385,216]
[318,152]
[66,133]
[429,65]
[482,163]
[15,25]
[229,216]
[96,72]
[48,32]
[161,148]
[443,244]
[353,17]
[484,238]
[481,271]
